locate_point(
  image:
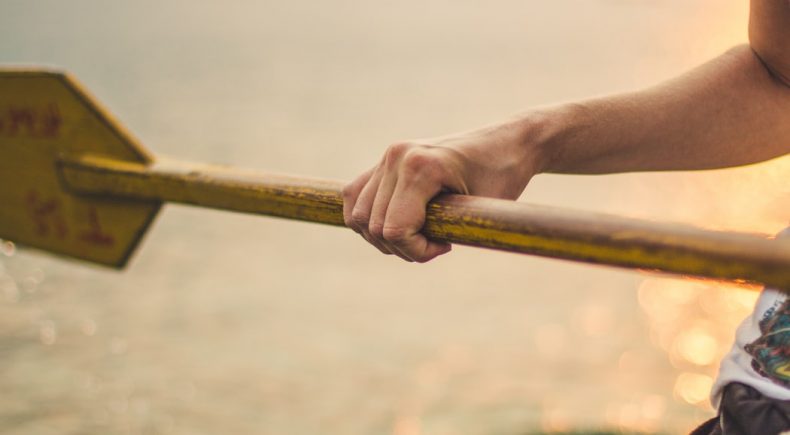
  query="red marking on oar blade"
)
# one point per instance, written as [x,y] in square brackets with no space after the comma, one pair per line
[46,215]
[38,122]
[95,235]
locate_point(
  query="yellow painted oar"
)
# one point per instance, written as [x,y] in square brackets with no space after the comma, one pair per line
[73,182]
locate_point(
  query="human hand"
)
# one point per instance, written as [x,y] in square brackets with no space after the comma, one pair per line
[387,204]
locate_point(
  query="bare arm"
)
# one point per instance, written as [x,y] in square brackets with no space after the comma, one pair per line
[769,35]
[732,111]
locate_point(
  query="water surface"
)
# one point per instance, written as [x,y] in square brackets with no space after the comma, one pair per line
[227,323]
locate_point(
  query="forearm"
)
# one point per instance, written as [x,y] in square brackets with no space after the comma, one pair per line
[732,111]
[728,112]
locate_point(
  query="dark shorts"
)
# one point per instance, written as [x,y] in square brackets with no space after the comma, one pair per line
[744,411]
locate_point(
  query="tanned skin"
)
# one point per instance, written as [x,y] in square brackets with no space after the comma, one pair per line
[732,111]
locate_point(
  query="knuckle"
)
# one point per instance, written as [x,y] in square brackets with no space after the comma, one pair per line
[398,150]
[349,221]
[348,191]
[394,234]
[420,162]
[376,229]
[359,218]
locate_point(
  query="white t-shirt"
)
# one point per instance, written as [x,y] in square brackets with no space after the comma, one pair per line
[760,356]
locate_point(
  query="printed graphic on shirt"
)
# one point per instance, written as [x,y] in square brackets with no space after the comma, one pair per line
[771,352]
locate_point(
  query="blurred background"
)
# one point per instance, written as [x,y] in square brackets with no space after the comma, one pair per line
[226,323]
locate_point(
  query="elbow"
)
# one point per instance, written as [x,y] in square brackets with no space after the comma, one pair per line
[776,59]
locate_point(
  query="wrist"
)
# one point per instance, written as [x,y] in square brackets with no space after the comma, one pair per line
[502,158]
[535,131]
[507,155]
[543,133]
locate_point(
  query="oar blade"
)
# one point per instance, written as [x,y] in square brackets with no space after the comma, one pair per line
[45,115]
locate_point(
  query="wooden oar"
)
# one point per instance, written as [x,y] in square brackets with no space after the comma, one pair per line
[73,182]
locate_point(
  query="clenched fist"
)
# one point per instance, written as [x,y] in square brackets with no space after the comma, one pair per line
[386,204]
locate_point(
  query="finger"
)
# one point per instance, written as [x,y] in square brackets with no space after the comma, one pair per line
[405,215]
[351,192]
[416,246]
[360,215]
[378,213]
[378,209]
[378,245]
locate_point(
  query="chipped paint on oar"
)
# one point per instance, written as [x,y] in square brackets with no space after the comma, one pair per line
[76,183]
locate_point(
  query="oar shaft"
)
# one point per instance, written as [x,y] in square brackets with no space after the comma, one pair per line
[483,222]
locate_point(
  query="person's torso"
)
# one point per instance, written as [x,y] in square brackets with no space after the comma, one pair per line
[760,356]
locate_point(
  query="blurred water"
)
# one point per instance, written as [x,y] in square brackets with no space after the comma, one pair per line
[234,324]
